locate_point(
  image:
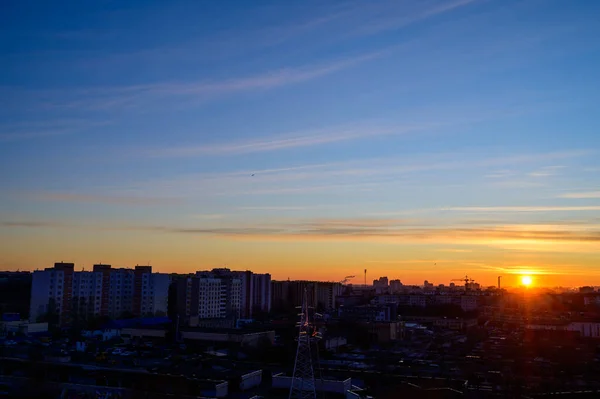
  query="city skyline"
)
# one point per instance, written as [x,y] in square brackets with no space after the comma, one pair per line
[417,140]
[522,279]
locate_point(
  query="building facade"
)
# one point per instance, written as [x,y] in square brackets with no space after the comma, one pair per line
[321,295]
[104,291]
[87,294]
[51,293]
[261,293]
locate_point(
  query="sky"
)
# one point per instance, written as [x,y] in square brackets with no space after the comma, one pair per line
[418,140]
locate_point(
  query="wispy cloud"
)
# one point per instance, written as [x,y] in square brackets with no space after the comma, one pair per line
[285,141]
[364,174]
[271,208]
[582,195]
[531,269]
[49,128]
[398,15]
[500,174]
[546,171]
[209,216]
[540,238]
[101,199]
[36,224]
[126,96]
[521,208]
[277,78]
[388,231]
[330,23]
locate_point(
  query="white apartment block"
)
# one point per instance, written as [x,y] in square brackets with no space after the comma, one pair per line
[154,294]
[212,298]
[87,293]
[120,292]
[102,292]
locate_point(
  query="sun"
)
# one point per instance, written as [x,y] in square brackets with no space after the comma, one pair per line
[526,280]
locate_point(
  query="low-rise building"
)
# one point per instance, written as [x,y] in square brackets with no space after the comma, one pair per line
[369,313]
[387,331]
[22,327]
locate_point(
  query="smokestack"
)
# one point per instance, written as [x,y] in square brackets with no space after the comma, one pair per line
[365,277]
[499,278]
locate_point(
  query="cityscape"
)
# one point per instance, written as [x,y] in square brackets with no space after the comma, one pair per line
[222,333]
[324,199]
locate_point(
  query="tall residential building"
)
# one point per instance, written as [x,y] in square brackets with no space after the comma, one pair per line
[150,292]
[395,286]
[326,294]
[289,294]
[231,287]
[43,293]
[261,293]
[381,282]
[247,292]
[104,271]
[160,287]
[142,294]
[254,290]
[15,293]
[87,294]
[102,292]
[212,298]
[51,292]
[381,285]
[205,296]
[119,293]
[220,295]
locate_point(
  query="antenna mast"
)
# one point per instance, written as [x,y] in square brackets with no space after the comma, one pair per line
[303,381]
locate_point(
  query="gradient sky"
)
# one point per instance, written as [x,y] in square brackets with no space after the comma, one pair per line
[417,139]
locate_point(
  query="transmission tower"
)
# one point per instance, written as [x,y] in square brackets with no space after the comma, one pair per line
[303,381]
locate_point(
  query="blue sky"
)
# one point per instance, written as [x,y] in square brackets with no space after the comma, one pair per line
[256,119]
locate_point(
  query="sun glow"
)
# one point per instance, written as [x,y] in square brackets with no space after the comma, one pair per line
[526,280]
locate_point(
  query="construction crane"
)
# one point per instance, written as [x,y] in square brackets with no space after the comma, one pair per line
[466,280]
[346,279]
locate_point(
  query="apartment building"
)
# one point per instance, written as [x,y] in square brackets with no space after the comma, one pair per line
[51,292]
[87,294]
[212,298]
[101,292]
[287,294]
[219,294]
[118,298]
[261,293]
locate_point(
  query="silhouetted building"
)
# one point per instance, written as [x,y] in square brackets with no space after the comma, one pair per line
[322,295]
[395,286]
[120,292]
[15,293]
[381,285]
[210,297]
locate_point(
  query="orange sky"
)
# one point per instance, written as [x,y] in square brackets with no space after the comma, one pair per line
[412,260]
